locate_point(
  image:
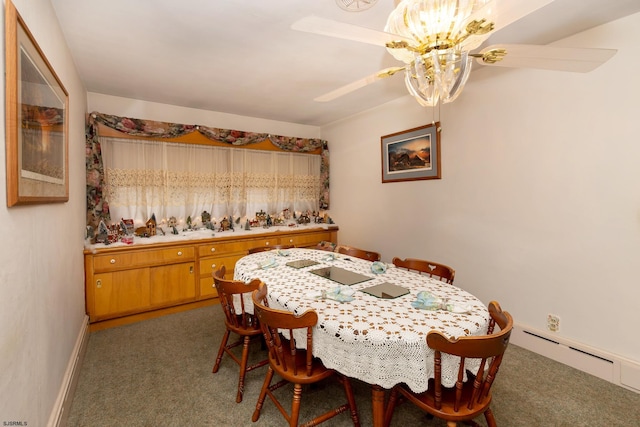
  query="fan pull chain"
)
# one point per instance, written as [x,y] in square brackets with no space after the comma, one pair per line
[433,114]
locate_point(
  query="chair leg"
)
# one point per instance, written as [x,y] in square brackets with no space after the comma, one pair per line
[391,406]
[295,405]
[488,415]
[263,394]
[348,390]
[223,344]
[243,368]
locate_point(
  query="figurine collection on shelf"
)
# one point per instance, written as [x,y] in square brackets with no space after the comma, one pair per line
[124,230]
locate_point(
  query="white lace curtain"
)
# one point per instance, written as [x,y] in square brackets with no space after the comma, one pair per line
[145,177]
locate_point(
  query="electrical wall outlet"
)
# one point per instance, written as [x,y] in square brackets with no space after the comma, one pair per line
[553,323]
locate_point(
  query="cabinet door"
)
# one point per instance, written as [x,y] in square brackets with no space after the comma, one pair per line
[208,266]
[208,288]
[172,284]
[120,292]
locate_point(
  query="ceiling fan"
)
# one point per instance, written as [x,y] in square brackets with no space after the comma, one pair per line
[436,40]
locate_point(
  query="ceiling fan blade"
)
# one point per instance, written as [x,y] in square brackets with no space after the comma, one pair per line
[328,27]
[330,96]
[577,60]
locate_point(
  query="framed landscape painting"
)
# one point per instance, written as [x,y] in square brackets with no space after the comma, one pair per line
[412,154]
[37,107]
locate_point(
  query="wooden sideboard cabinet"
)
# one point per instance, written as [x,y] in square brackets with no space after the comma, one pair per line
[129,283]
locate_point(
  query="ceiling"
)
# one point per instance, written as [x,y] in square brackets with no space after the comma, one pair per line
[241,57]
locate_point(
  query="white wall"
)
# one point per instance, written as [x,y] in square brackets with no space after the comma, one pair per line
[42,279]
[538,205]
[537,208]
[135,108]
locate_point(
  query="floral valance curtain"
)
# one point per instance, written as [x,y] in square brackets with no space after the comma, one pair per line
[97,206]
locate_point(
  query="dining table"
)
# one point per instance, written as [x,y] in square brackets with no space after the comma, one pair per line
[363,333]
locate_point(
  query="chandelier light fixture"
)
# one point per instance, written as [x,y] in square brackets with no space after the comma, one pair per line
[436,40]
[445,31]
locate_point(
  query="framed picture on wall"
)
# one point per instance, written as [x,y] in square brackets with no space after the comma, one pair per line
[37,106]
[412,154]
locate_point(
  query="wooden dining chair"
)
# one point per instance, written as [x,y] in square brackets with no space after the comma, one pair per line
[433,269]
[470,398]
[293,364]
[358,253]
[269,248]
[238,322]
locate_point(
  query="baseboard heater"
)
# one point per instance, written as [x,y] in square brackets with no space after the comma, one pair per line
[608,366]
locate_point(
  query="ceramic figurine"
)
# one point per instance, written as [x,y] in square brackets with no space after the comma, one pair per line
[112,233]
[173,222]
[151,225]
[304,219]
[129,226]
[261,217]
[122,228]
[142,232]
[206,218]
[224,224]
[102,236]
[90,232]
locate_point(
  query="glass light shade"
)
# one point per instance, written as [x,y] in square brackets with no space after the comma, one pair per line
[455,77]
[419,79]
[438,65]
[438,76]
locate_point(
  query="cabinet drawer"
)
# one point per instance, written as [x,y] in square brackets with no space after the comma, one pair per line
[211,264]
[224,248]
[267,241]
[125,260]
[306,239]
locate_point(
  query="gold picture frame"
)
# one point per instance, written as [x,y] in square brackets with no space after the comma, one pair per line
[37,105]
[412,154]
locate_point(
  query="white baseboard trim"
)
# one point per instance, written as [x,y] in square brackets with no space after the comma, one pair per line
[60,412]
[608,366]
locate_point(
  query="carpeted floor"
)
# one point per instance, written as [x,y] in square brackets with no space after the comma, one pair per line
[158,373]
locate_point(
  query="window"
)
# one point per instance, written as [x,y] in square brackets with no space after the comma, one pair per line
[145,177]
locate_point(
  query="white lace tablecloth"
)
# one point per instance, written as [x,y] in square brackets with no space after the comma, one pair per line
[378,341]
